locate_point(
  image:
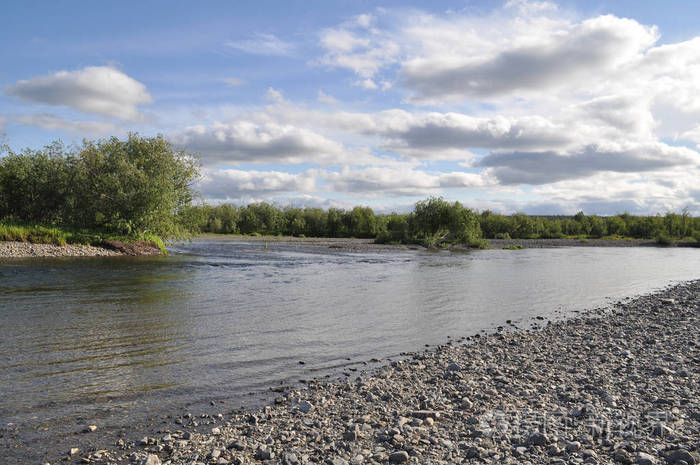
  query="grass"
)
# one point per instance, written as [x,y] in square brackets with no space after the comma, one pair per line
[51,234]
[513,247]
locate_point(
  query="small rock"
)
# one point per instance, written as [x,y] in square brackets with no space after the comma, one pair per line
[424,414]
[645,459]
[306,406]
[352,434]
[453,367]
[263,453]
[573,446]
[73,451]
[537,439]
[398,457]
[151,459]
[473,452]
[622,456]
[216,431]
[679,455]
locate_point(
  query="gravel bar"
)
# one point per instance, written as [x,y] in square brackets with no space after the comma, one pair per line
[26,250]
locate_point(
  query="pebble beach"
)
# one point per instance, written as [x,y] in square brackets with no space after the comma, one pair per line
[615,385]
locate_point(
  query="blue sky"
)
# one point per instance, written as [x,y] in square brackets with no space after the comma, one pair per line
[511,106]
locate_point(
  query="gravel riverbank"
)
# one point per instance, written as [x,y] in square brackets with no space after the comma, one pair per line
[616,385]
[111,248]
[26,249]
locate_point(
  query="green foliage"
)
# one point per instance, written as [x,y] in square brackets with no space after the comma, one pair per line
[395,229]
[435,220]
[134,187]
[47,234]
[513,247]
[130,187]
[433,223]
[581,226]
[663,239]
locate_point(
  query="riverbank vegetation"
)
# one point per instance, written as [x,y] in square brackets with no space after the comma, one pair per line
[141,189]
[435,222]
[126,190]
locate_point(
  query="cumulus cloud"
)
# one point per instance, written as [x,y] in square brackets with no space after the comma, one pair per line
[400,181]
[434,135]
[548,167]
[101,90]
[248,141]
[559,58]
[262,44]
[228,184]
[693,135]
[54,123]
[356,46]
[434,131]
[610,192]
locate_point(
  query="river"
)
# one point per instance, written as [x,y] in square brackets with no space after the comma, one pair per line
[113,341]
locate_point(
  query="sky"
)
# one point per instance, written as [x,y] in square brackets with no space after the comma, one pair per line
[517,106]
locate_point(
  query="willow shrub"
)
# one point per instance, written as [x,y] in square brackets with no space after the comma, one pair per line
[132,187]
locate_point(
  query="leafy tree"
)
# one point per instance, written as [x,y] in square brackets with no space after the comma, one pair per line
[134,186]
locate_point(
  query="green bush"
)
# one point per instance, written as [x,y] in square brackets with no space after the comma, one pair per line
[663,239]
[132,187]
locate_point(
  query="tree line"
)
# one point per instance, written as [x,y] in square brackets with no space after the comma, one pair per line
[433,221]
[144,185]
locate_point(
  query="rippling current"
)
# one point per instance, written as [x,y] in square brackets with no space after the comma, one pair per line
[112,341]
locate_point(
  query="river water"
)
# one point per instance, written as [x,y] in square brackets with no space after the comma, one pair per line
[112,341]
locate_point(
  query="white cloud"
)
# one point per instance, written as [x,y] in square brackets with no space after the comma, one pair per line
[400,181]
[693,135]
[356,46]
[262,44]
[367,84]
[274,95]
[232,81]
[326,98]
[557,58]
[249,141]
[228,184]
[548,167]
[610,193]
[437,132]
[54,123]
[101,90]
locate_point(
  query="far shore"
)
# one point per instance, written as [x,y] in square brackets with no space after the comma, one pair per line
[9,249]
[369,244]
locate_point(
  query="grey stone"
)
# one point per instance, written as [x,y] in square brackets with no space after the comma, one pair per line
[645,459]
[678,455]
[398,457]
[306,406]
[151,459]
[537,439]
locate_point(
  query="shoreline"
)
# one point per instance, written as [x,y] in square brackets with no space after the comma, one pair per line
[565,391]
[15,249]
[12,249]
[355,244]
